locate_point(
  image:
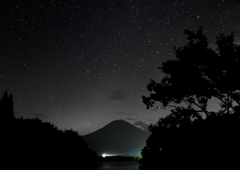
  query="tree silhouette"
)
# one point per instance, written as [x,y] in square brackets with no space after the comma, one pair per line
[31,143]
[6,107]
[192,136]
[198,74]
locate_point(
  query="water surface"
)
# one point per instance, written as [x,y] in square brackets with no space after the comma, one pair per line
[118,165]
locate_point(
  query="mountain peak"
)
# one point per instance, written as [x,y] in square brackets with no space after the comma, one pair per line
[119,137]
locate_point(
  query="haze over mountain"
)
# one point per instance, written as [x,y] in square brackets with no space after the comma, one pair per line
[117,138]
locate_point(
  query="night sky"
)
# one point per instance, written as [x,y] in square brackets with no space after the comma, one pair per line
[81,64]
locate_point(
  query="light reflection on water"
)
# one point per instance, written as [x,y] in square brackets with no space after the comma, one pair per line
[118,165]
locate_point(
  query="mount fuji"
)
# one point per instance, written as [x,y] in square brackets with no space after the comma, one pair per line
[118,138]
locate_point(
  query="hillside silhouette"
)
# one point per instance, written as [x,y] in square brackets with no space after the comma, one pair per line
[33,144]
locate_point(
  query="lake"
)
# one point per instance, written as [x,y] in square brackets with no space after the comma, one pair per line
[118,165]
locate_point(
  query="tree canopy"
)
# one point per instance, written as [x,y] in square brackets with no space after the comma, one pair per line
[199,74]
[193,136]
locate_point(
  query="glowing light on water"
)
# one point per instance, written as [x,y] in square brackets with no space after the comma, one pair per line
[104,155]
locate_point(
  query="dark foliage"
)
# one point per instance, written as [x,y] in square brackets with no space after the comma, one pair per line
[199,74]
[192,137]
[33,144]
[6,105]
[212,143]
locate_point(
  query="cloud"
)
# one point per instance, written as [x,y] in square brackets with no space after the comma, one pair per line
[153,120]
[118,95]
[142,125]
[130,118]
[122,113]
[39,115]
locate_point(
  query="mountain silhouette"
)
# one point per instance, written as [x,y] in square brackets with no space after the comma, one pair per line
[117,138]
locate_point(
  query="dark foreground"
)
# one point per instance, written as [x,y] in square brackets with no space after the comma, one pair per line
[118,165]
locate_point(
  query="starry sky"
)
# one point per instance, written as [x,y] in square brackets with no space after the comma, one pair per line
[81,64]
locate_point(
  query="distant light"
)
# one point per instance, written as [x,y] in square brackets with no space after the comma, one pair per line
[104,155]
